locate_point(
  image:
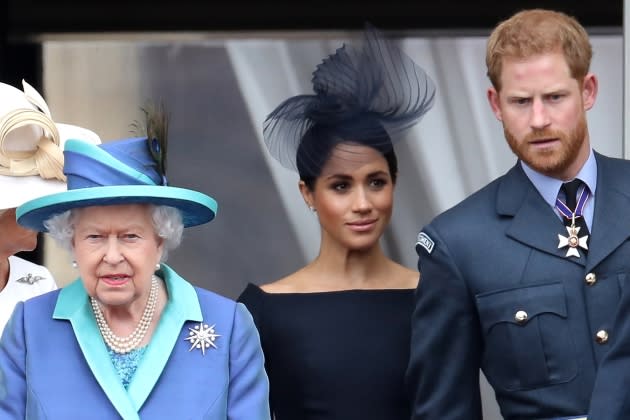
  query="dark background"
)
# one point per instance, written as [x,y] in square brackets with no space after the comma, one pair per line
[28,17]
[24,20]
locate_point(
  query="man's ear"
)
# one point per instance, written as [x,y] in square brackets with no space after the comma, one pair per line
[495,103]
[589,91]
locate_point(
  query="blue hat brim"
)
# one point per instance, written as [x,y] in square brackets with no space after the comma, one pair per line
[196,208]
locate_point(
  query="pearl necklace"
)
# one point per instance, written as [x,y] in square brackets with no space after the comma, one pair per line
[123,345]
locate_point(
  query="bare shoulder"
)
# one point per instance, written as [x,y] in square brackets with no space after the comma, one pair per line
[288,284]
[405,278]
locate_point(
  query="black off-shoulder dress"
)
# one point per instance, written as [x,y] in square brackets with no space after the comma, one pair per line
[335,355]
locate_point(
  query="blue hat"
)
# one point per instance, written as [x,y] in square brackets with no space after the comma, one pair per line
[117,172]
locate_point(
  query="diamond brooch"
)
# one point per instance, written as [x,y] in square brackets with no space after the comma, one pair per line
[202,337]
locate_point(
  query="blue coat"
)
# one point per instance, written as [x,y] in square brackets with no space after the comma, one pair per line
[494,255]
[54,363]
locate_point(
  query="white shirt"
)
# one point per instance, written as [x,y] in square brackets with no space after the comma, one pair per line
[26,280]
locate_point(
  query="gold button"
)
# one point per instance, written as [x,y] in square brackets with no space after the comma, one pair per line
[520,317]
[601,337]
[590,279]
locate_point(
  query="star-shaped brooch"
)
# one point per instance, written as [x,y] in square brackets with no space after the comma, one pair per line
[573,241]
[202,337]
[30,279]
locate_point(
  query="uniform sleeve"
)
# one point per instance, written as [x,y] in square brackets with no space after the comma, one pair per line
[13,367]
[443,371]
[248,395]
[610,398]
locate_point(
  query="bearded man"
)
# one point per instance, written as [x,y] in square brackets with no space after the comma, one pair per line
[522,279]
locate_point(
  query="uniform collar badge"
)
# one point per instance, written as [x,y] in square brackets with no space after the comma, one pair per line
[29,279]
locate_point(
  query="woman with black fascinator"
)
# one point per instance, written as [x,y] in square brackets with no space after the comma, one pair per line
[336,333]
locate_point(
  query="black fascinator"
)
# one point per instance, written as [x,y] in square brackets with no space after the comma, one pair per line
[366,93]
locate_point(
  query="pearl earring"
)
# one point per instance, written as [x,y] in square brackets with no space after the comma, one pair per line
[74,264]
[157,266]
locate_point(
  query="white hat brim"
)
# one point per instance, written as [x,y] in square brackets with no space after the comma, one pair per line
[16,190]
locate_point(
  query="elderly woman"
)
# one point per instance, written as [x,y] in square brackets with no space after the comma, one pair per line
[130,338]
[31,162]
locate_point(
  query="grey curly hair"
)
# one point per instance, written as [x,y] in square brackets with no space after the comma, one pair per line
[167,223]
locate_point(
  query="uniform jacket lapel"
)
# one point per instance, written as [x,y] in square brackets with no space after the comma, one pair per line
[611,218]
[534,222]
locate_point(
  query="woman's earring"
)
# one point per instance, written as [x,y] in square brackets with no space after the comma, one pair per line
[74,264]
[313,209]
[157,266]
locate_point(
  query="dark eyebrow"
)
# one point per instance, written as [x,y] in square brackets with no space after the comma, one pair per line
[339,176]
[377,173]
[345,177]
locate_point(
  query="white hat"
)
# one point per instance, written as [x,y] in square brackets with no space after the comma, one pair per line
[31,146]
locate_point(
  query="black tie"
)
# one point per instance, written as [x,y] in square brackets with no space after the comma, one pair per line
[570,190]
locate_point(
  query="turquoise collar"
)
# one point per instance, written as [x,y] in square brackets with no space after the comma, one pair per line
[182,305]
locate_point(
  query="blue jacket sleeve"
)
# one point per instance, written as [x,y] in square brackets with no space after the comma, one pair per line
[249,387]
[13,367]
[443,371]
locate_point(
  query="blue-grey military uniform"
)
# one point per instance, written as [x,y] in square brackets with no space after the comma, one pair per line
[497,293]
[611,396]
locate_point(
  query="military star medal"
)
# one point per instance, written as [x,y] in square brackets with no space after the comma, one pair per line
[202,337]
[573,241]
